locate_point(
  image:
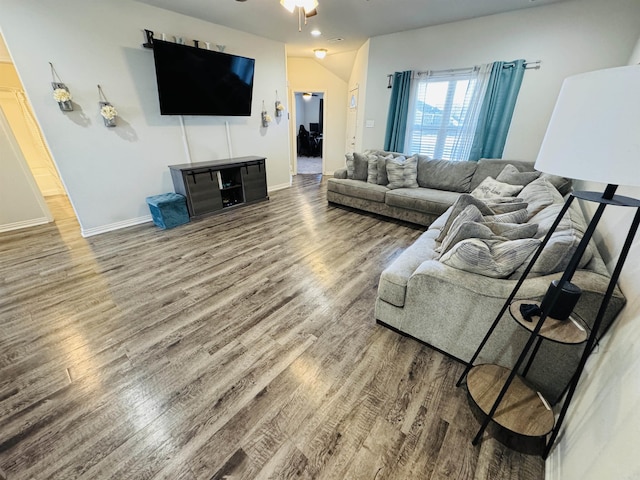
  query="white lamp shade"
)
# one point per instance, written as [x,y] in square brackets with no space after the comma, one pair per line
[594,131]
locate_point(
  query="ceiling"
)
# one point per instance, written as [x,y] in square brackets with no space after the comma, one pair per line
[345,24]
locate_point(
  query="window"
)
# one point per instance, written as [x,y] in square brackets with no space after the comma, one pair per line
[443,113]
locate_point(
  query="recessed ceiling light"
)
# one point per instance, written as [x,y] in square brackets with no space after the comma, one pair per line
[316,32]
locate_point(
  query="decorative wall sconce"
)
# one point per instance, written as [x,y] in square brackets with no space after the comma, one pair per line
[266,118]
[279,106]
[61,93]
[107,111]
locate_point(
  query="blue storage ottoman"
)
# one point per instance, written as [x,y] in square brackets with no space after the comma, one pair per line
[168,210]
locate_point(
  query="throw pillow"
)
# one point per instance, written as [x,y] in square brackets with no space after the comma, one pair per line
[491,258]
[383,179]
[468,224]
[539,194]
[506,207]
[360,166]
[513,231]
[471,224]
[350,166]
[490,188]
[562,184]
[372,172]
[562,244]
[402,172]
[519,216]
[462,202]
[513,176]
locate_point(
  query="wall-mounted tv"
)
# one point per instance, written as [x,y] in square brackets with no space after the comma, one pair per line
[195,81]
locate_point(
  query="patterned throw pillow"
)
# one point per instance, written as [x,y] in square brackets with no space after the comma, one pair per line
[513,176]
[460,204]
[491,188]
[539,194]
[402,172]
[491,258]
[471,224]
[350,167]
[372,171]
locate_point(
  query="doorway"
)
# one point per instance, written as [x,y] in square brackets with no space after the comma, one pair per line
[31,143]
[309,117]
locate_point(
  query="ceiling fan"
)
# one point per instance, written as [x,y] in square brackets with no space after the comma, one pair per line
[306,9]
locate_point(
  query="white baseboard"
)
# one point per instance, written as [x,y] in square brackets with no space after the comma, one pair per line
[279,187]
[24,224]
[89,232]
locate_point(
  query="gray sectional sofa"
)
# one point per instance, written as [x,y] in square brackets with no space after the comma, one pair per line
[451,308]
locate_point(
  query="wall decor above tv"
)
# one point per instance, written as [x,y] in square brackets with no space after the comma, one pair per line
[194,81]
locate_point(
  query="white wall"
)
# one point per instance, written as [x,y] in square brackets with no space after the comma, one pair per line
[568,37]
[603,423]
[307,75]
[108,172]
[23,205]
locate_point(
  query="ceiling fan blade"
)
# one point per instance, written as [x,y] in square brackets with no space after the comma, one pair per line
[311,13]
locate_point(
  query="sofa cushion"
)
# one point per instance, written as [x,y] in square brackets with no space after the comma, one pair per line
[445,174]
[492,188]
[361,166]
[402,172]
[513,176]
[491,258]
[538,195]
[357,188]
[491,167]
[425,200]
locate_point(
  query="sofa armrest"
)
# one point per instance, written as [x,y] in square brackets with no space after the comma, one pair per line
[340,173]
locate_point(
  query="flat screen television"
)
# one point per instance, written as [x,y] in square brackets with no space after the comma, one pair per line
[195,81]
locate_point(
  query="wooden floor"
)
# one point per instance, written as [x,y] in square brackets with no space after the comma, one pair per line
[239,346]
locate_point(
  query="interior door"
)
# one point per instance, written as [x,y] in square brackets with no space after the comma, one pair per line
[352,120]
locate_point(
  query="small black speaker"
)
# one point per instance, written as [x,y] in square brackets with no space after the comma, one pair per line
[566,302]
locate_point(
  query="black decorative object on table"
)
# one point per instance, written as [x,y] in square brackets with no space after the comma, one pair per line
[566,300]
[611,155]
[530,310]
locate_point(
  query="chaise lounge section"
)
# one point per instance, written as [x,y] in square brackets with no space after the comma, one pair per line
[448,300]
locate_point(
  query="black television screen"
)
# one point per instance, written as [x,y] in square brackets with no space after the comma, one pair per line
[195,81]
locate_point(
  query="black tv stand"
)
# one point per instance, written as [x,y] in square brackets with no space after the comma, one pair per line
[218,185]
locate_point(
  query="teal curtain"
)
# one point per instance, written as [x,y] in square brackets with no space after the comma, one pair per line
[497,109]
[398,112]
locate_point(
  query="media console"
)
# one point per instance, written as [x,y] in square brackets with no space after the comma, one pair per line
[214,186]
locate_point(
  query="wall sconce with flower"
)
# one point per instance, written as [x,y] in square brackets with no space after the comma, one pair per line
[266,118]
[279,106]
[61,92]
[107,111]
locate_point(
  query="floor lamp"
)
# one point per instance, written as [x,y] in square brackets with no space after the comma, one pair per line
[593,135]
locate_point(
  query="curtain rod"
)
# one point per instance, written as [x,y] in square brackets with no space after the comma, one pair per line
[535,65]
